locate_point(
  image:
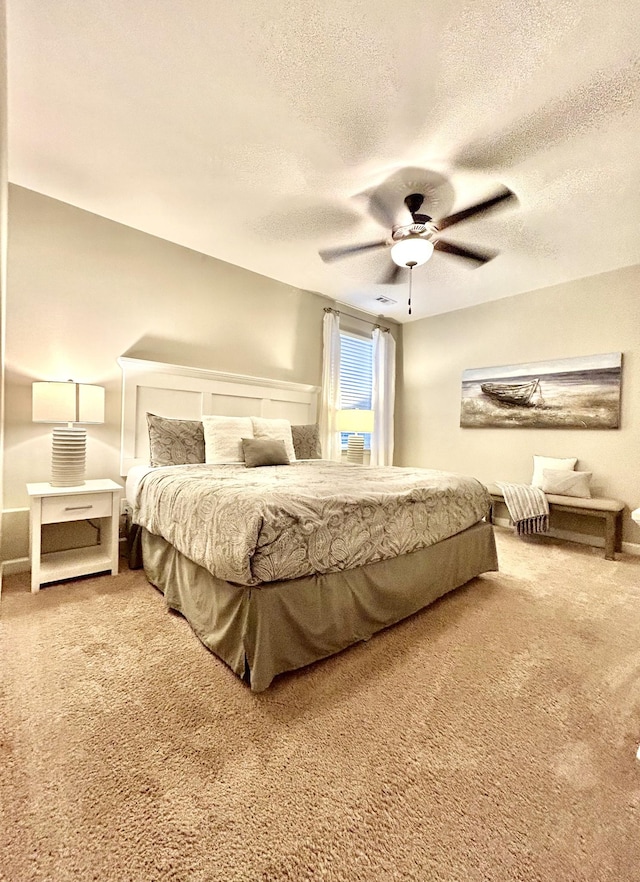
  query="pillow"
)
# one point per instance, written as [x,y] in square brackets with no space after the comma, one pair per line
[549,462]
[223,437]
[306,441]
[174,442]
[280,430]
[564,482]
[264,452]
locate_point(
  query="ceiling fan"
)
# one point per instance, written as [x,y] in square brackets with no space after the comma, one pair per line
[412,244]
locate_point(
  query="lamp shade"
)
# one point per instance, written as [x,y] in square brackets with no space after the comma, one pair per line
[56,402]
[355,421]
[90,404]
[412,251]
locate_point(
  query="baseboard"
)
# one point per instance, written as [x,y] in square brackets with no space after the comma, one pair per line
[17,565]
[582,538]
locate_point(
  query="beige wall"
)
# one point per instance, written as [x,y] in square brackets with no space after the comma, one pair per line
[84,290]
[3,228]
[584,317]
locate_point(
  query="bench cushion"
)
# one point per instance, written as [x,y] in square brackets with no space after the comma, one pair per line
[593,504]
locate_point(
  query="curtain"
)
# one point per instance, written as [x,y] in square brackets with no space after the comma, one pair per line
[383,397]
[330,396]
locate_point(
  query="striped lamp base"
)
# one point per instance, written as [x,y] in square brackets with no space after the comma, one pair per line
[355,449]
[68,457]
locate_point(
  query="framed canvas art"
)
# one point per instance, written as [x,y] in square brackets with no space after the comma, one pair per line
[565,393]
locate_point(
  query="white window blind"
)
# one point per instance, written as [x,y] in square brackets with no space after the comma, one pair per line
[356,377]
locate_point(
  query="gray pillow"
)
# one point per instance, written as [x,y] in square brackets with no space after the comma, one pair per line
[264,452]
[306,441]
[174,442]
[565,482]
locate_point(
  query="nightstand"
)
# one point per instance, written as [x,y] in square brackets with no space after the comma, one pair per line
[93,500]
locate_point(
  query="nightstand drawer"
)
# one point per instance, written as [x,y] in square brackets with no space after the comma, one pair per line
[56,509]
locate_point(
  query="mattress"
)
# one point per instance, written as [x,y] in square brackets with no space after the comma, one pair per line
[252,527]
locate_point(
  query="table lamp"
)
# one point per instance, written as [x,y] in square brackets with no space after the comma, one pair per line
[58,402]
[357,422]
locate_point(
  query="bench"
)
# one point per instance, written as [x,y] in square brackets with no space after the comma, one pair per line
[607,510]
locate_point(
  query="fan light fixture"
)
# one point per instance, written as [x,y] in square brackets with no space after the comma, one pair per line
[412,251]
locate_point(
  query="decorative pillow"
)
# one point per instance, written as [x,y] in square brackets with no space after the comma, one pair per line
[174,442]
[550,462]
[306,441]
[223,437]
[280,430]
[264,452]
[564,482]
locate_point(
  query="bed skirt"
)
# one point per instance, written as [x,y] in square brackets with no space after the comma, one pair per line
[281,626]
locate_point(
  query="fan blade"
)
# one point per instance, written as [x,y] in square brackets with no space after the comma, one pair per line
[480,257]
[329,254]
[381,212]
[503,197]
[392,276]
[607,94]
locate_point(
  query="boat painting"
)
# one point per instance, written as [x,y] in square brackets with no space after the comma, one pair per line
[511,393]
[582,392]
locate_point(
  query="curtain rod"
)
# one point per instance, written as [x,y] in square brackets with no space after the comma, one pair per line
[357,318]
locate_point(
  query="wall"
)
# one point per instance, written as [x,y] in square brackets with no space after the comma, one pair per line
[3,229]
[84,290]
[584,317]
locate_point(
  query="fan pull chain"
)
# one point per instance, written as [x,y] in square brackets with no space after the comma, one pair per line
[411,264]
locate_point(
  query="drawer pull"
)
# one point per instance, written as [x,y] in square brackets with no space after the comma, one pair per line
[77,507]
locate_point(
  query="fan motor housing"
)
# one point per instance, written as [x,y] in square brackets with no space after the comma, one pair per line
[423,230]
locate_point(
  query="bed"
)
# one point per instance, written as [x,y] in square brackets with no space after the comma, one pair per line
[278,566]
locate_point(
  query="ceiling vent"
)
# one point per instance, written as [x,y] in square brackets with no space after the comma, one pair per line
[385,300]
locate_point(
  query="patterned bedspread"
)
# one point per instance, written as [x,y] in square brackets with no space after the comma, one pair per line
[251,526]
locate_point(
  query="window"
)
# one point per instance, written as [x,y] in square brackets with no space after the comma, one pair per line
[356,377]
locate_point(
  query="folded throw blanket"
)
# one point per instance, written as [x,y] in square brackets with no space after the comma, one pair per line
[528,507]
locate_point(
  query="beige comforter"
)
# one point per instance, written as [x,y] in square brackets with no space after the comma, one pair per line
[251,526]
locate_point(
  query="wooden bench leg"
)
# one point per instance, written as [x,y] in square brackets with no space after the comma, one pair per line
[618,540]
[610,531]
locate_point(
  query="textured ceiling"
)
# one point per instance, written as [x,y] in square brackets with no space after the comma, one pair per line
[252,131]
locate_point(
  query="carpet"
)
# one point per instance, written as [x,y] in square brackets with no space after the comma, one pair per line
[489,737]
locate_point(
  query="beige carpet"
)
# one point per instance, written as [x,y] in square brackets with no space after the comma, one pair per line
[490,737]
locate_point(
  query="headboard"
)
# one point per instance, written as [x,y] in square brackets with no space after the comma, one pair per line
[172,390]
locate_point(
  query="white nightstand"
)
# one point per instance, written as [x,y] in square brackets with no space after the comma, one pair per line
[55,505]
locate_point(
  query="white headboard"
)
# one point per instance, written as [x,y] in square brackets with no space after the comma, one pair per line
[171,390]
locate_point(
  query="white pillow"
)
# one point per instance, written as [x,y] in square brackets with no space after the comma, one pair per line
[223,438]
[549,462]
[564,482]
[279,430]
